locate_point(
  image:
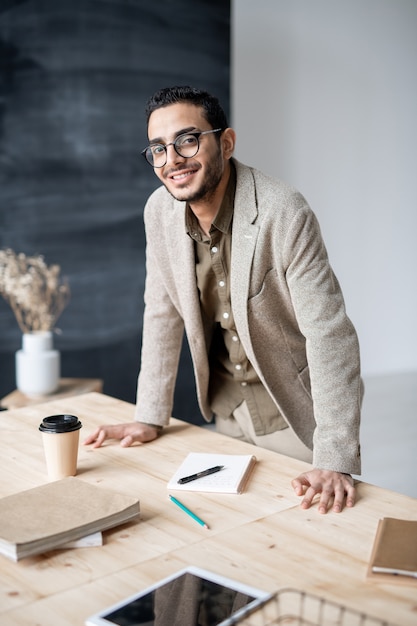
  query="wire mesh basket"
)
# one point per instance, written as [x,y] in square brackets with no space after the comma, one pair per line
[298,608]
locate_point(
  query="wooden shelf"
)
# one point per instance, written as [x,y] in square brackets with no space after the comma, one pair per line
[67,387]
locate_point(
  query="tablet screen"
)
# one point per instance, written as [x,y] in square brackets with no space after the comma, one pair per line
[191,598]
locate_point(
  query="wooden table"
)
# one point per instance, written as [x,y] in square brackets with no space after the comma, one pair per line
[67,387]
[261,537]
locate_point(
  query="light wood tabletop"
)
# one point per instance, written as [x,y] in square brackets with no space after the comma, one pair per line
[261,537]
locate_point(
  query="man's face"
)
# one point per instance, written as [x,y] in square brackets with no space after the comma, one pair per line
[189,179]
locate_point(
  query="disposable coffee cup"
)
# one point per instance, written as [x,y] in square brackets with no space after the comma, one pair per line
[60,435]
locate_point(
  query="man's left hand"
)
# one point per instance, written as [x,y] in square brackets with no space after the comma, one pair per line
[332,487]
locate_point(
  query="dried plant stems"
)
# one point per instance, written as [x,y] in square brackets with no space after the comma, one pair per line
[34,291]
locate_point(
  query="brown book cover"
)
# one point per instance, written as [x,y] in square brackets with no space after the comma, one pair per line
[394,553]
[46,517]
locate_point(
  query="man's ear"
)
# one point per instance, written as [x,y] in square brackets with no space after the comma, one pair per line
[228,139]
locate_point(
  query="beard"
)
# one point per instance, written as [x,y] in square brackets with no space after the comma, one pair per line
[206,190]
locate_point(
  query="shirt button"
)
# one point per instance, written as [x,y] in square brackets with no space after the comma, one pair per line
[214,249]
[221,283]
[235,338]
[243,384]
[238,367]
[226,316]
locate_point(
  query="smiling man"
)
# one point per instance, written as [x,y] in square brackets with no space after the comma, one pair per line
[237,260]
[198,165]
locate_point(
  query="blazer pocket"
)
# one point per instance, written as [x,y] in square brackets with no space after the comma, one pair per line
[262,289]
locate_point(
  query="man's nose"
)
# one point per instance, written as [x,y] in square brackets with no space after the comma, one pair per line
[172,154]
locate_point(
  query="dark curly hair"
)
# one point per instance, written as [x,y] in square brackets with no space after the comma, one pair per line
[213,111]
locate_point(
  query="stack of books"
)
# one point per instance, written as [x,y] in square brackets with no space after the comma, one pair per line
[52,515]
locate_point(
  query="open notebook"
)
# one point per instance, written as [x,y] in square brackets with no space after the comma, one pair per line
[232,478]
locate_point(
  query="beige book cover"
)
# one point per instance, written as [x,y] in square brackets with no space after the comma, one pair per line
[394,553]
[46,517]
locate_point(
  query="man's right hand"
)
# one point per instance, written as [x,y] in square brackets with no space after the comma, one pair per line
[128,434]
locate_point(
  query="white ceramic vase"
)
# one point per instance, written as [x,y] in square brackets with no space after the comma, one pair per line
[38,365]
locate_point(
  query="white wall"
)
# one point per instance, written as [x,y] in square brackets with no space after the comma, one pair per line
[324,96]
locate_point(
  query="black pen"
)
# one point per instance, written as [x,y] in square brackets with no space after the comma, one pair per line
[211,470]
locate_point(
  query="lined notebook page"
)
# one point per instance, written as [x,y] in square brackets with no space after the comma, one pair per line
[231,479]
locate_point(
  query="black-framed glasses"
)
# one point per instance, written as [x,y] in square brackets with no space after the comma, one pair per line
[186,145]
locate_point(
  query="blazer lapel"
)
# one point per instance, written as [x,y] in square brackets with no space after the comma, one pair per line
[186,278]
[244,237]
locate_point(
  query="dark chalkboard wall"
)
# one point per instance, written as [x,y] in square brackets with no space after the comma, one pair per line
[74,78]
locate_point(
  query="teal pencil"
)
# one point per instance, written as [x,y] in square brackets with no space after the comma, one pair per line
[186,510]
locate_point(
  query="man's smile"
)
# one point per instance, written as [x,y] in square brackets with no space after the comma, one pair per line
[181,175]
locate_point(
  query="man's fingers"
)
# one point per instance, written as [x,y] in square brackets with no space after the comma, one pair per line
[100,437]
[308,498]
[91,438]
[351,495]
[325,500]
[299,484]
[96,438]
[339,498]
[127,434]
[344,492]
[335,490]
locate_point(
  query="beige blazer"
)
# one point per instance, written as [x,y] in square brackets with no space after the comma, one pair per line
[288,309]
